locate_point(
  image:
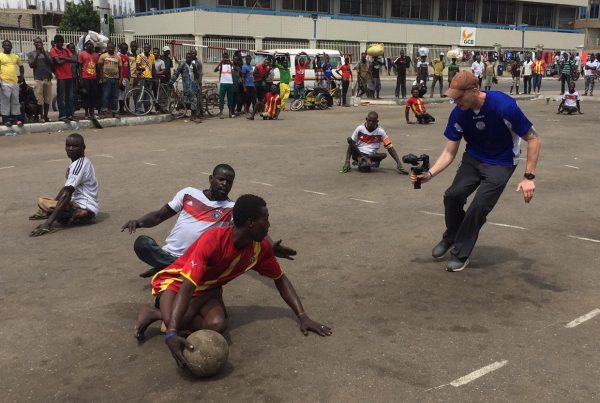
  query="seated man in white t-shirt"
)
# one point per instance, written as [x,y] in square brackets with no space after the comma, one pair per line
[363,146]
[200,210]
[570,101]
[77,201]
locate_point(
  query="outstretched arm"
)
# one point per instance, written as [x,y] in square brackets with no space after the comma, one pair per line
[63,198]
[394,154]
[287,292]
[149,220]
[443,161]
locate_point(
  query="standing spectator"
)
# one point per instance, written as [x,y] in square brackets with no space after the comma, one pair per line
[166,58]
[10,65]
[302,63]
[388,65]
[41,63]
[565,75]
[109,71]
[249,89]
[591,69]
[328,70]
[527,74]
[64,78]
[319,74]
[133,50]
[144,65]
[189,77]
[238,85]
[89,79]
[261,72]
[75,72]
[452,69]
[438,73]
[225,70]
[477,69]
[200,71]
[515,72]
[284,80]
[346,77]
[577,62]
[159,70]
[489,73]
[375,70]
[124,85]
[422,70]
[538,68]
[364,75]
[401,63]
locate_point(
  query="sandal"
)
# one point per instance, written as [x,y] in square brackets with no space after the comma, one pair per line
[42,231]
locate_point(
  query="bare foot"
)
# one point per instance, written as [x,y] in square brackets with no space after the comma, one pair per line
[146,316]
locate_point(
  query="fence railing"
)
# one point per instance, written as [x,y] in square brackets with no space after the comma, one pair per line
[275,43]
[216,45]
[345,47]
[23,40]
[183,44]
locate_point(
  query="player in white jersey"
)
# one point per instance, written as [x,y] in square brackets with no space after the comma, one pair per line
[77,202]
[199,211]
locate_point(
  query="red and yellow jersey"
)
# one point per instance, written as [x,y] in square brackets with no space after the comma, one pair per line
[539,66]
[272,103]
[417,105]
[369,142]
[213,261]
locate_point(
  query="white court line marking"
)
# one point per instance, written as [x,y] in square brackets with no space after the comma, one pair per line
[149,163]
[261,183]
[312,191]
[583,318]
[430,213]
[363,200]
[571,166]
[58,160]
[583,239]
[204,173]
[473,375]
[506,225]
[160,149]
[12,166]
[104,155]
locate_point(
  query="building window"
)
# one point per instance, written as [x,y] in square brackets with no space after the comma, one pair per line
[412,9]
[321,6]
[499,12]
[594,8]
[566,17]
[362,7]
[245,3]
[538,15]
[457,10]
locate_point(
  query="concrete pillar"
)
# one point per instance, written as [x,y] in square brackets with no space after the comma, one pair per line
[435,12]
[50,32]
[478,12]
[258,42]
[312,43]
[199,41]
[363,48]
[129,36]
[410,53]
[387,9]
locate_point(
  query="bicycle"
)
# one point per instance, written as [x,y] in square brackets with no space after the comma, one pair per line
[140,100]
[211,99]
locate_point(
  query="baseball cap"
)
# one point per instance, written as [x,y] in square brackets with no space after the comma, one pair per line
[462,81]
[441,53]
[166,48]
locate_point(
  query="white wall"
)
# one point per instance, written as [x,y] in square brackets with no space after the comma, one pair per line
[244,24]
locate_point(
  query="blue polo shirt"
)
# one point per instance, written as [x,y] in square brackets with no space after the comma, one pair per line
[493,135]
[328,71]
[248,72]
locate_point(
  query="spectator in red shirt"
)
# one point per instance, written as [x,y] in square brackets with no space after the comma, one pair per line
[346,77]
[302,63]
[417,105]
[125,75]
[89,82]
[63,58]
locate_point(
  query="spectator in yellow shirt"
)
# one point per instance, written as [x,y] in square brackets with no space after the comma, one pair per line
[438,73]
[10,64]
[144,66]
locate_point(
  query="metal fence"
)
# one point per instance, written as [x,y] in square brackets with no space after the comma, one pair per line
[277,43]
[345,47]
[216,45]
[23,40]
[392,50]
[182,43]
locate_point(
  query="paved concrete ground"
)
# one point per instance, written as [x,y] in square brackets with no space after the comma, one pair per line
[404,328]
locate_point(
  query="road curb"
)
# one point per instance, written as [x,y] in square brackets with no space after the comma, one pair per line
[53,127]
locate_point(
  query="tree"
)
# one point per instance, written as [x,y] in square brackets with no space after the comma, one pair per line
[80,17]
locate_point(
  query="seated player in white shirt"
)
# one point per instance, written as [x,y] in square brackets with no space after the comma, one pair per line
[570,101]
[363,146]
[77,202]
[199,211]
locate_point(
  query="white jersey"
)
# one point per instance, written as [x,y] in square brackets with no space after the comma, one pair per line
[82,177]
[591,68]
[369,142]
[477,69]
[226,77]
[571,99]
[197,214]
[527,68]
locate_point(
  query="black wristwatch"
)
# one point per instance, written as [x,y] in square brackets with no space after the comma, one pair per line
[529,176]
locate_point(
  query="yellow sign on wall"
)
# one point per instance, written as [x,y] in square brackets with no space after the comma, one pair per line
[467,36]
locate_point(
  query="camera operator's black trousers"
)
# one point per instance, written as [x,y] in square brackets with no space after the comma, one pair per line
[462,228]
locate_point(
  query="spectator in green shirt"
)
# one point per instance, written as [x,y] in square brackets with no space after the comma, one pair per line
[284,80]
[452,69]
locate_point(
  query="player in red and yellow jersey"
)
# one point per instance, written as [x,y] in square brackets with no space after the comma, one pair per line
[418,107]
[189,291]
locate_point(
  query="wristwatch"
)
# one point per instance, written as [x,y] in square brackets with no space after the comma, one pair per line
[528,175]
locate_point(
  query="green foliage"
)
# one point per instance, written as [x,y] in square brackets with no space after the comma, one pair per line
[80,17]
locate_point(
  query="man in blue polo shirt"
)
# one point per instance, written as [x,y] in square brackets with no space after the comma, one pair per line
[493,126]
[249,89]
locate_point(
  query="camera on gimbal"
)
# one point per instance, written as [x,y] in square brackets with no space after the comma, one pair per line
[417,169]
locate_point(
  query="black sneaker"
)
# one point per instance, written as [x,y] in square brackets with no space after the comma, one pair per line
[456,264]
[441,249]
